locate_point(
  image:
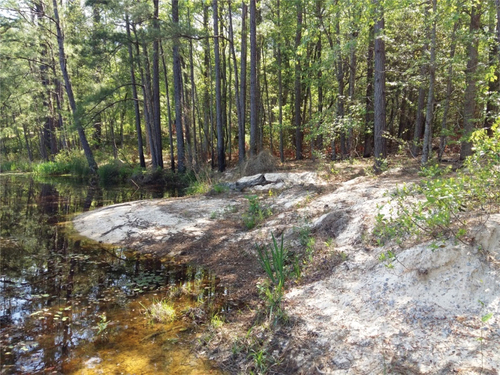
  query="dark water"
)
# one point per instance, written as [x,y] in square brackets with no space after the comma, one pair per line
[72,306]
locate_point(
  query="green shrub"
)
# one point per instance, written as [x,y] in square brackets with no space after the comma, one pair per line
[441,207]
[114,173]
[16,166]
[64,163]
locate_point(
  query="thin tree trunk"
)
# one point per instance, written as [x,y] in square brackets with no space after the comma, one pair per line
[426,150]
[379,90]
[221,157]
[369,116]
[148,100]
[280,87]
[298,84]
[243,83]
[419,122]
[253,80]
[352,83]
[471,81]
[449,89]
[169,111]
[241,145]
[69,91]
[135,98]
[156,89]
[193,98]
[181,166]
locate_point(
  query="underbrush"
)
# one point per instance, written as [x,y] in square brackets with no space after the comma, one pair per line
[115,172]
[446,205]
[19,165]
[65,163]
[256,212]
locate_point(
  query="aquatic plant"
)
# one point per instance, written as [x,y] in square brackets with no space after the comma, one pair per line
[161,311]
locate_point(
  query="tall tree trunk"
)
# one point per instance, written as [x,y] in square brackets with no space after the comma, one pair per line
[369,116]
[207,117]
[181,166]
[340,75]
[156,89]
[148,102]
[169,111]
[221,157]
[241,145]
[449,89]
[379,90]
[471,81]
[419,122]
[280,88]
[298,83]
[352,83]
[243,84]
[69,91]
[193,98]
[253,79]
[426,150]
[135,97]
[319,50]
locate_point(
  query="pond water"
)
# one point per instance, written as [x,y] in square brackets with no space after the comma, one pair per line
[71,306]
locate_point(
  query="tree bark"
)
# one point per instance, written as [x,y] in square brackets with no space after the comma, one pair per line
[181,166]
[253,79]
[369,116]
[243,84]
[471,81]
[298,83]
[449,89]
[69,91]
[379,90]
[241,145]
[221,157]
[426,149]
[156,90]
[135,97]
[169,110]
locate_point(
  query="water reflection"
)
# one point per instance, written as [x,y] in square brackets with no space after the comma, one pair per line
[68,305]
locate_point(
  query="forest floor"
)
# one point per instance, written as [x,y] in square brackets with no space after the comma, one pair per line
[346,313]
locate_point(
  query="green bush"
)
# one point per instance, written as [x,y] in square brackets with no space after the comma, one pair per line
[16,166]
[114,173]
[442,207]
[64,163]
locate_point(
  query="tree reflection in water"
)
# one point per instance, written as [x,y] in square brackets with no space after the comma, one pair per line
[56,287]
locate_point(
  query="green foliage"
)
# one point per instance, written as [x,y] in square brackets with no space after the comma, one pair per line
[434,170]
[216,321]
[102,325]
[71,163]
[114,173]
[161,311]
[272,259]
[220,188]
[260,360]
[440,207]
[256,213]
[18,165]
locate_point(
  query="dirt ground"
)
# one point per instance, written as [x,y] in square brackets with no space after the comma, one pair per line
[347,313]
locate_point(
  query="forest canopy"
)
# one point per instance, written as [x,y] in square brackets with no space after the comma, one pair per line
[178,84]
